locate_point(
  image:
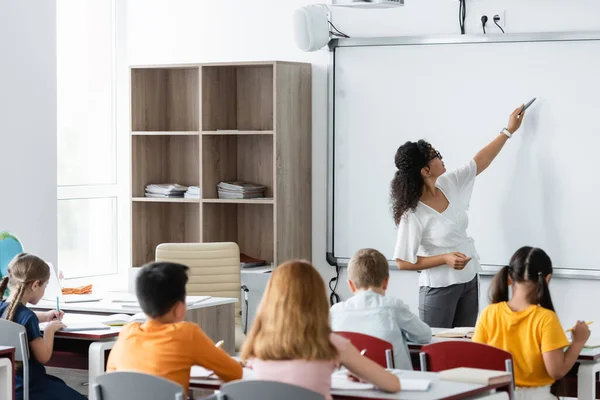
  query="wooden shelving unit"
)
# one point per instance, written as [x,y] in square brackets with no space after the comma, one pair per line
[206,123]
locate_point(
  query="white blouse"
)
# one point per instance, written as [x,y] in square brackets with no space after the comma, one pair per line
[425,232]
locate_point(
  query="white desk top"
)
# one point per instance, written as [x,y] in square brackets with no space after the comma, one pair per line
[439,389]
[106,306]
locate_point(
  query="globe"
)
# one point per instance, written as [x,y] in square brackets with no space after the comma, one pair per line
[10,246]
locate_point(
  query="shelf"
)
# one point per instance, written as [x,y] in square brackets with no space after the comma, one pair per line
[164,200]
[239,201]
[165,133]
[234,132]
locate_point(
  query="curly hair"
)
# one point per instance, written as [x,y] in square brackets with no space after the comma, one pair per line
[407,185]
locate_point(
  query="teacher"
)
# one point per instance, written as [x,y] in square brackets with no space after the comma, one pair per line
[430,209]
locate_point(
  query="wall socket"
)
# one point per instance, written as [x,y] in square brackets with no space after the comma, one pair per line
[501,14]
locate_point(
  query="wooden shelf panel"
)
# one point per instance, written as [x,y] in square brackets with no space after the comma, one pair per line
[165,133]
[239,201]
[235,132]
[165,99]
[237,97]
[237,158]
[164,159]
[155,223]
[164,200]
[251,226]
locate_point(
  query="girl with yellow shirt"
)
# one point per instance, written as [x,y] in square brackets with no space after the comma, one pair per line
[527,326]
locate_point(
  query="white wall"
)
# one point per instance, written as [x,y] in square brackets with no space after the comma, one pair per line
[28,124]
[174,31]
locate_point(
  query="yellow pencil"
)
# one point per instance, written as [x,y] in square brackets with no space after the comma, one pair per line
[587,323]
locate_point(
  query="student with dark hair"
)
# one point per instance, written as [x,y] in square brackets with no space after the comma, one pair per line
[527,326]
[165,345]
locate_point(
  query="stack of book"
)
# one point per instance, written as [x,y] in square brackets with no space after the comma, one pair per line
[193,192]
[165,190]
[240,190]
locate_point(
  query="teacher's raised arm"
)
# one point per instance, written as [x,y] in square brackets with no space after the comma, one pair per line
[430,210]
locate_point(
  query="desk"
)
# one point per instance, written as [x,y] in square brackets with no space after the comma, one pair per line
[440,390]
[215,315]
[7,372]
[588,360]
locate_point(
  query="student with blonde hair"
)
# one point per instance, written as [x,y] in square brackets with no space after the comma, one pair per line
[291,340]
[371,312]
[27,279]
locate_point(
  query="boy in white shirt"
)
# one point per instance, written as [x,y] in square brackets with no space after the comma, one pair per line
[371,312]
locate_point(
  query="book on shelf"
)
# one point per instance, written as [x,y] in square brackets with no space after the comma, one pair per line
[239,190]
[249,262]
[193,192]
[476,375]
[165,190]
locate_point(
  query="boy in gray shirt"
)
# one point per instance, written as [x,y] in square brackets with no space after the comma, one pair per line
[371,312]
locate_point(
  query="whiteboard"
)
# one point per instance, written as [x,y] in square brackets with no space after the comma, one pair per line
[543,188]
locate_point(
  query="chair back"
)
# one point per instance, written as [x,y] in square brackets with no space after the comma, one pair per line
[260,390]
[441,356]
[378,350]
[136,386]
[214,271]
[15,335]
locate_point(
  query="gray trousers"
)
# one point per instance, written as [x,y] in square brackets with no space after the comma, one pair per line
[450,306]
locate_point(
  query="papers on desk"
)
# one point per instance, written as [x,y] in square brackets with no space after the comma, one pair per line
[343,383]
[78,327]
[466,332]
[415,385]
[189,301]
[122,319]
[340,381]
[199,372]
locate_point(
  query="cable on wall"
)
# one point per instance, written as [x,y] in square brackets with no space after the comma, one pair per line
[462,14]
[496,20]
[333,284]
[484,20]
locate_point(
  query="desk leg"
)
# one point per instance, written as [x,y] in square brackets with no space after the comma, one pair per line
[7,389]
[586,381]
[97,360]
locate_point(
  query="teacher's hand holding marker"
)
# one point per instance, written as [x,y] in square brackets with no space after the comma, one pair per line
[430,209]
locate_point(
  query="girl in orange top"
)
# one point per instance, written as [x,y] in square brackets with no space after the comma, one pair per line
[291,339]
[527,326]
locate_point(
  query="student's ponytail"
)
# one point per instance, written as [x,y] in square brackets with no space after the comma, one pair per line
[12,308]
[543,293]
[3,286]
[499,286]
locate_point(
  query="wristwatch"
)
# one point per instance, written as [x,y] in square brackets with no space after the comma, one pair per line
[507,133]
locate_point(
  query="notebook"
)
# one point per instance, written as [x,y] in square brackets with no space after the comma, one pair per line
[466,332]
[122,319]
[475,375]
[78,327]
[343,383]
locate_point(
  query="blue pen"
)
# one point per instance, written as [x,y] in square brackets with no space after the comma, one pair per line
[57,308]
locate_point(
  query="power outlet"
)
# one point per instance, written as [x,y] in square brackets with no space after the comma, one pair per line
[501,14]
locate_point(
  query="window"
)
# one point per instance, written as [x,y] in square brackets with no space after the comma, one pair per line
[92,190]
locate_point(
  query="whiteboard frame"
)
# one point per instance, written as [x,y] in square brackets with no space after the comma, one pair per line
[488,269]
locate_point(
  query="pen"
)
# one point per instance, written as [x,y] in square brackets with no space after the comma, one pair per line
[219,343]
[587,323]
[57,308]
[362,353]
